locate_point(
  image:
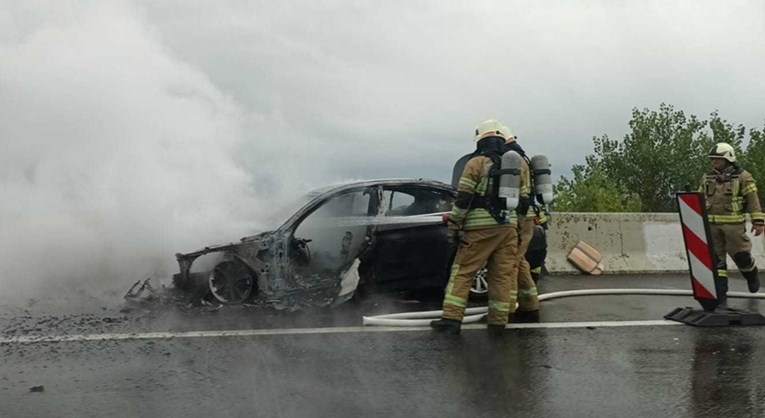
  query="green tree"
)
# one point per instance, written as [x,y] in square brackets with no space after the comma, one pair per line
[591,190]
[723,131]
[664,152]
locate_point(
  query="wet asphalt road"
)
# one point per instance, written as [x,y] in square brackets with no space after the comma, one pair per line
[622,371]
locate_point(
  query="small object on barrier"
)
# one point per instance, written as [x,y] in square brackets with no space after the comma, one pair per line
[587,259]
[716,318]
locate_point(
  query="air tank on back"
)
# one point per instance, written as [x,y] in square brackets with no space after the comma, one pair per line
[540,169]
[510,179]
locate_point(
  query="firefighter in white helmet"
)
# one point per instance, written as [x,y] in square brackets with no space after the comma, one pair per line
[486,236]
[528,297]
[730,193]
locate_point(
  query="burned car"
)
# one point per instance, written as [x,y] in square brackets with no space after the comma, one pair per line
[370,236]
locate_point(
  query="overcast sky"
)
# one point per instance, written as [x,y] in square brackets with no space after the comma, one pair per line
[131,130]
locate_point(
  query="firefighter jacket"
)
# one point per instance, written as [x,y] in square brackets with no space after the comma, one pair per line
[470,210]
[730,195]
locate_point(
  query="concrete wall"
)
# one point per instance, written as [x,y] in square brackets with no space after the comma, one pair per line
[629,242]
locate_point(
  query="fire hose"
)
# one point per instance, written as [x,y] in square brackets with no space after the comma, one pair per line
[472,315]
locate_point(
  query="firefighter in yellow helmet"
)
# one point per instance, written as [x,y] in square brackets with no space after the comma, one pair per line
[730,193]
[486,235]
[528,297]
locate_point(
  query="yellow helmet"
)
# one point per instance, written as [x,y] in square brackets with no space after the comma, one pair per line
[723,150]
[487,128]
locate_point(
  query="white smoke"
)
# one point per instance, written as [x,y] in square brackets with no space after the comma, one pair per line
[113,154]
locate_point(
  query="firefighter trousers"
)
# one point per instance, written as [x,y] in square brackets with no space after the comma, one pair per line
[731,239]
[528,297]
[498,248]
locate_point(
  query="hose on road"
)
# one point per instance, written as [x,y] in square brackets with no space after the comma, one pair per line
[472,315]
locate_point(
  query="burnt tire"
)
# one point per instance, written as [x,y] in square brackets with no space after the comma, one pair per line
[231,282]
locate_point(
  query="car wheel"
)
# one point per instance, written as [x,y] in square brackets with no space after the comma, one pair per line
[480,285]
[231,282]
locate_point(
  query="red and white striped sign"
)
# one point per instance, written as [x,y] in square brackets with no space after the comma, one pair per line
[696,237]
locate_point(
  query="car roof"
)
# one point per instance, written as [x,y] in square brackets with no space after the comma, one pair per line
[378,182]
[324,193]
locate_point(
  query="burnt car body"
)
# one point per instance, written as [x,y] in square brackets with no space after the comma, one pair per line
[377,236]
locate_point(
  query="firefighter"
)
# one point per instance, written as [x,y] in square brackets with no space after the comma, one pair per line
[730,193]
[528,297]
[485,233]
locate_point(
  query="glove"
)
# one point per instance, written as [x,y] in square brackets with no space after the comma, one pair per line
[758,229]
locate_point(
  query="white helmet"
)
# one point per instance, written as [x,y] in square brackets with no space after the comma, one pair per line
[487,128]
[508,134]
[723,150]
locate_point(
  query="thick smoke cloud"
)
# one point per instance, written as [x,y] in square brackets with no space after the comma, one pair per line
[115,154]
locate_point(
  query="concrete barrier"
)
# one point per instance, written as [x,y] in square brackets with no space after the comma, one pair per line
[629,242]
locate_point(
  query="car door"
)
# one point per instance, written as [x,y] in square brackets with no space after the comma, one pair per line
[410,250]
[329,238]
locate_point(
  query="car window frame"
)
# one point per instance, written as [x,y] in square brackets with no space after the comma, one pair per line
[393,188]
[321,200]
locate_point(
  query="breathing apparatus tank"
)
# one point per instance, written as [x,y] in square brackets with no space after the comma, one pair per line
[510,179]
[540,168]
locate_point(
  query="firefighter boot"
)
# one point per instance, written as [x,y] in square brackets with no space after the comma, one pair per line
[524,317]
[748,269]
[752,281]
[721,283]
[447,326]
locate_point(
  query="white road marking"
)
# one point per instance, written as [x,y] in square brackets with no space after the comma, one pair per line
[29,339]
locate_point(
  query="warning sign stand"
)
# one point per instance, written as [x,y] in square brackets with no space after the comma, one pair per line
[704,280]
[717,318]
